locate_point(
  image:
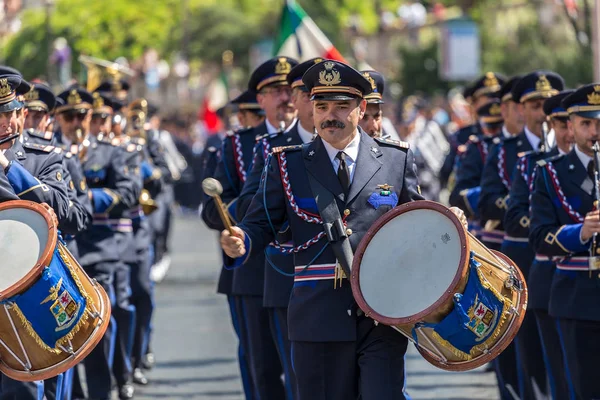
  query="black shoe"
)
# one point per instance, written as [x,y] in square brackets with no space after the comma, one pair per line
[126,391]
[139,377]
[148,361]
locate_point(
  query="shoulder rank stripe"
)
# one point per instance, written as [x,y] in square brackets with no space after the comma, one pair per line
[40,147]
[398,143]
[282,149]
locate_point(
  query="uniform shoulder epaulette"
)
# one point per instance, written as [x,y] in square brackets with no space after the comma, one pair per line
[545,161]
[282,149]
[522,154]
[131,147]
[138,140]
[42,135]
[263,136]
[392,142]
[41,147]
[240,131]
[474,139]
[107,140]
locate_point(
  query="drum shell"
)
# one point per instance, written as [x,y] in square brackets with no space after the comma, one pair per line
[14,335]
[496,268]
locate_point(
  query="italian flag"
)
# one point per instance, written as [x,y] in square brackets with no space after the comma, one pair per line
[300,38]
[217,96]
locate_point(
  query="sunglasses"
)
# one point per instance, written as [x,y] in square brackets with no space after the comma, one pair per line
[69,117]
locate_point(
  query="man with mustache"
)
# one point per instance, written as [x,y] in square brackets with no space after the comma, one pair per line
[529,92]
[564,220]
[337,352]
[372,122]
[277,286]
[273,93]
[539,280]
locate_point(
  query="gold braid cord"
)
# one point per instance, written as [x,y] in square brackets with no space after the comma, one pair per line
[83,319]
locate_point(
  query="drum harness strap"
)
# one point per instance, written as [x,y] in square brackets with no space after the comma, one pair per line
[333,224]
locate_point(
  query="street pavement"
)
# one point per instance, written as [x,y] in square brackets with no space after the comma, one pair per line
[195,345]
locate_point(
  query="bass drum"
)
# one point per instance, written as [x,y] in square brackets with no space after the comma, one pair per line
[51,313]
[418,270]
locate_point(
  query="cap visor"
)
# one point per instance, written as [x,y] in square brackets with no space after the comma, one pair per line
[333,97]
[11,106]
[375,101]
[589,114]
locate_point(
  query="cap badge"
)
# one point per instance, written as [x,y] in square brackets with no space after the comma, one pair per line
[74,98]
[490,80]
[495,109]
[329,76]
[371,80]
[543,84]
[283,67]
[594,98]
[5,89]
[32,95]
[98,101]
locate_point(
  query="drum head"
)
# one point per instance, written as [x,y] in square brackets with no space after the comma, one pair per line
[24,236]
[408,261]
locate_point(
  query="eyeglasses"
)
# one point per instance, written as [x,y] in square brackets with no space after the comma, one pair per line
[278,90]
[69,117]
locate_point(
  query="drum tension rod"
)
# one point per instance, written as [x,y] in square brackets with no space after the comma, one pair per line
[498,266]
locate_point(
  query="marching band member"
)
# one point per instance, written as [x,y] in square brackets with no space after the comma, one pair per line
[330,337]
[539,279]
[564,224]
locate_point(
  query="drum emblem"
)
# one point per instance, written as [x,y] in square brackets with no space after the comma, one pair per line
[64,309]
[481,319]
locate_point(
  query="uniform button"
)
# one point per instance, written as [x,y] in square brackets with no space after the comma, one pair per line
[348,232]
[346,212]
[598,275]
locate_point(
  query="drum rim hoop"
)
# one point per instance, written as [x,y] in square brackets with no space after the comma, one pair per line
[379,223]
[35,272]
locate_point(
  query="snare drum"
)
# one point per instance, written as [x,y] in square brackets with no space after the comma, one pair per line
[51,313]
[418,270]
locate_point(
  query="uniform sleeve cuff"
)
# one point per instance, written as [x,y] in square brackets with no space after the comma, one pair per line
[232,263]
[146,170]
[21,180]
[231,210]
[471,199]
[569,238]
[103,200]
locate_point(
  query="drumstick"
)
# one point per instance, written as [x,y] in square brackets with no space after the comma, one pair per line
[213,188]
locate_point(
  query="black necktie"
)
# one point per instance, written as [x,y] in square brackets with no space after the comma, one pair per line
[590,170]
[343,173]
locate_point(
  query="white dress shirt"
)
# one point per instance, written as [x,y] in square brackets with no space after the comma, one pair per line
[584,158]
[305,135]
[351,152]
[533,140]
[273,131]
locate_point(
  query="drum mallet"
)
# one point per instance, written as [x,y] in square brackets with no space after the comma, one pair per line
[213,188]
